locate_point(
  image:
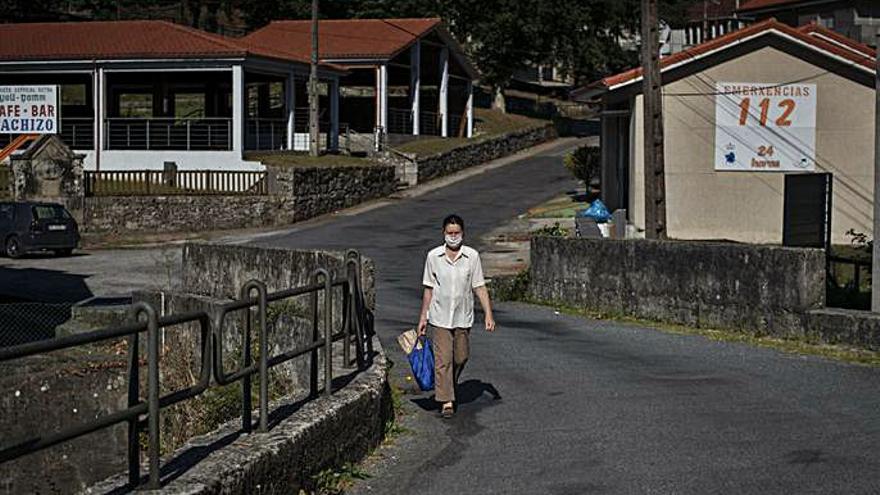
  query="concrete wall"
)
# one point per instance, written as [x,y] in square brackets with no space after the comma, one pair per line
[761,289]
[49,393]
[154,160]
[299,194]
[747,206]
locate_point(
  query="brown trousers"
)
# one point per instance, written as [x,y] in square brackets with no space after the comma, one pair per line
[451,350]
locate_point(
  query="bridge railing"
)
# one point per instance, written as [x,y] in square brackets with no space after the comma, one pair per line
[356,328]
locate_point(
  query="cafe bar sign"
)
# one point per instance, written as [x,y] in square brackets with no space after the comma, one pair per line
[761,127]
[29,109]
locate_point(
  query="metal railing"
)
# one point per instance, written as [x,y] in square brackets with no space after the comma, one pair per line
[200,134]
[78,133]
[429,123]
[844,281]
[180,182]
[356,324]
[266,134]
[400,121]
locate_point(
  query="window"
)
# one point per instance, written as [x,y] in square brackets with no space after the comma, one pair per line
[6,212]
[253,100]
[73,95]
[276,96]
[189,105]
[136,105]
[48,212]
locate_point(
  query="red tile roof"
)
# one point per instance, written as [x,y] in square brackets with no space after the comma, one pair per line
[122,40]
[761,4]
[344,39]
[764,27]
[835,37]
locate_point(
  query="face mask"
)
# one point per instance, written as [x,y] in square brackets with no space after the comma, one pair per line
[453,241]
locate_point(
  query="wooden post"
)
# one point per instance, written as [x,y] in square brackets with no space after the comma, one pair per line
[313,85]
[655,186]
[875,266]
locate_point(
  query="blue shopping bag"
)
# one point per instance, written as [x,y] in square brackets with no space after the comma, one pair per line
[422,362]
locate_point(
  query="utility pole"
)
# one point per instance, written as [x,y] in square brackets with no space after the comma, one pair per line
[313,85]
[875,255]
[655,185]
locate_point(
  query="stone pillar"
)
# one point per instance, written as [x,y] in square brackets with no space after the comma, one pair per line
[49,171]
[238,109]
[415,74]
[444,92]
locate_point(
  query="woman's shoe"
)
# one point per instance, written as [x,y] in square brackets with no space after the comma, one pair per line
[447,411]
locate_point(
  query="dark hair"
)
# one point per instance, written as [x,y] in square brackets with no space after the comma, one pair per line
[453,220]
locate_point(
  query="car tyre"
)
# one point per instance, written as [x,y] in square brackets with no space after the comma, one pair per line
[13,247]
[64,252]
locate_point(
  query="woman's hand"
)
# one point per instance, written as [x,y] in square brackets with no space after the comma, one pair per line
[423,326]
[490,323]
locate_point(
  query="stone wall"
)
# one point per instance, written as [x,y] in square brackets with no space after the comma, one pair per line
[297,194]
[481,151]
[761,289]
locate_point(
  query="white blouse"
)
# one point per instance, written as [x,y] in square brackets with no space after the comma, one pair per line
[453,282]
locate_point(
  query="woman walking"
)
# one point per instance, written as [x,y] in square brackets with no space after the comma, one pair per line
[453,273]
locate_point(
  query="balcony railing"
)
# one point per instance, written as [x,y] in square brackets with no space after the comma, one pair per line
[78,133]
[205,134]
[266,134]
[400,121]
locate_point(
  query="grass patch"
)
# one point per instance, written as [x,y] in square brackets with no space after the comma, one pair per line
[431,145]
[487,124]
[564,206]
[808,347]
[336,481]
[493,123]
[294,159]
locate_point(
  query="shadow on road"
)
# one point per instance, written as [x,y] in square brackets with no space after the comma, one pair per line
[467,392]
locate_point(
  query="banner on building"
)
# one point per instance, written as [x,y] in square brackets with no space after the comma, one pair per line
[29,109]
[762,127]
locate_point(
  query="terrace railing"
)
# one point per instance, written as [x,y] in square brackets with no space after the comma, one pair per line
[202,134]
[140,415]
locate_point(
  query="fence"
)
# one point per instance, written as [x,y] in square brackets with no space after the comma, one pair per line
[429,123]
[181,182]
[356,323]
[848,283]
[24,322]
[400,121]
[205,134]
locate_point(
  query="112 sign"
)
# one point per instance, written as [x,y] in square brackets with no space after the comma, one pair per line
[786,108]
[765,127]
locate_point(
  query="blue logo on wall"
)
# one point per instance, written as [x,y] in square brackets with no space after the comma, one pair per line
[730,158]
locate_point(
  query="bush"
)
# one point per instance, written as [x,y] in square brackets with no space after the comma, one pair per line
[584,163]
[554,230]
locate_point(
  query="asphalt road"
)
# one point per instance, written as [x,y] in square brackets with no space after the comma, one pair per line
[560,404]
